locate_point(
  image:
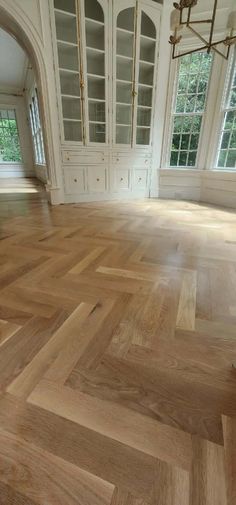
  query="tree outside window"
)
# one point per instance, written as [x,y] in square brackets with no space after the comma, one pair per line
[9,137]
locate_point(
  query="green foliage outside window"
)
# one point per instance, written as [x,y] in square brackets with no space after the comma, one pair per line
[9,137]
[193,77]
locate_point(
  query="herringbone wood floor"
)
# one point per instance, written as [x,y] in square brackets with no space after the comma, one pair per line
[117,338]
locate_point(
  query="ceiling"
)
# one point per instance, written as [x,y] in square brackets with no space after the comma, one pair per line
[13,64]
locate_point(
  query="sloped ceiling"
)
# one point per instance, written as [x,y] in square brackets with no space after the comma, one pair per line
[13,64]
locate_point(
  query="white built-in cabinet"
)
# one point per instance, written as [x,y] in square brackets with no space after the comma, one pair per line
[106,59]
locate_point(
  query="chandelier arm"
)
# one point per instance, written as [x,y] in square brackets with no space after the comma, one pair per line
[175,56]
[212,24]
[212,46]
[223,40]
[188,18]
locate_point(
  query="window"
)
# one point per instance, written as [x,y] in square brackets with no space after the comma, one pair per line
[226,156]
[189,106]
[36,129]
[9,137]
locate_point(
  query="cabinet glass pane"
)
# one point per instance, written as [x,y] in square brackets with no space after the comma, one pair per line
[144,116]
[147,49]
[73,131]
[65,5]
[95,62]
[94,34]
[123,114]
[146,73]
[125,41]
[93,10]
[124,68]
[96,87]
[147,26]
[68,57]
[69,84]
[123,134]
[143,136]
[71,108]
[144,96]
[66,27]
[124,92]
[97,132]
[97,111]
[125,19]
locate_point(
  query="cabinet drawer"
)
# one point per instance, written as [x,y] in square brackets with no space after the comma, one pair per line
[140,179]
[132,162]
[97,179]
[123,179]
[79,157]
[74,181]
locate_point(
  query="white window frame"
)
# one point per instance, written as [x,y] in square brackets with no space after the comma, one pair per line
[36,129]
[171,100]
[229,69]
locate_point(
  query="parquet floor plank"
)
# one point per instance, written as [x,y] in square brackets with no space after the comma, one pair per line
[117,339]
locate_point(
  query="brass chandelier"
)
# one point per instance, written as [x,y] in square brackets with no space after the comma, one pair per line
[178,22]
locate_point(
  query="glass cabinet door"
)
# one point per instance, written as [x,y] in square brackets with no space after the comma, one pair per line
[95,56]
[135,66]
[125,47]
[69,68]
[146,67]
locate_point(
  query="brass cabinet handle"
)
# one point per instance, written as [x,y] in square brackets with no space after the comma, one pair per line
[121,179]
[98,179]
[75,180]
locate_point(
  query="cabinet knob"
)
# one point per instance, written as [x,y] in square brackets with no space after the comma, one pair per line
[68,159]
[117,159]
[75,180]
[98,179]
[140,178]
[121,179]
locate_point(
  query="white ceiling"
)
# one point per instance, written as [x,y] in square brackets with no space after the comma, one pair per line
[13,64]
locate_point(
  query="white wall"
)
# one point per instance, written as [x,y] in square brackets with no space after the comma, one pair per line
[13,64]
[26,167]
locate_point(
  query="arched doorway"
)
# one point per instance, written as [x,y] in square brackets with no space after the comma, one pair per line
[20,28]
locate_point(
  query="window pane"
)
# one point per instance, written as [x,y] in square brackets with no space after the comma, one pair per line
[36,130]
[227,146]
[189,107]
[9,137]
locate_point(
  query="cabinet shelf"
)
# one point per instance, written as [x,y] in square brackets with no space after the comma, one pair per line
[123,81]
[64,14]
[124,57]
[65,43]
[123,30]
[123,124]
[99,100]
[71,120]
[70,97]
[147,63]
[94,22]
[68,71]
[97,122]
[96,77]
[146,37]
[94,50]
[141,84]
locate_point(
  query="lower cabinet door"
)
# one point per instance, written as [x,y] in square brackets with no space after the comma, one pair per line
[74,181]
[140,179]
[97,179]
[122,179]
